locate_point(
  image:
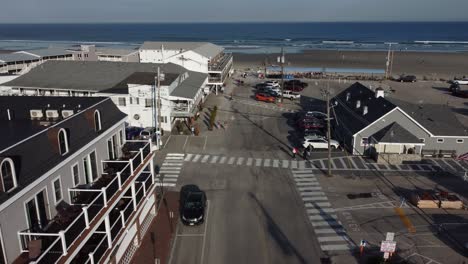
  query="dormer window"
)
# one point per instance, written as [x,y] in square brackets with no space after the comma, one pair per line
[63,141]
[97,121]
[7,173]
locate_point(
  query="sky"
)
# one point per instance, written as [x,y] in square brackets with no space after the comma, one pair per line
[89,11]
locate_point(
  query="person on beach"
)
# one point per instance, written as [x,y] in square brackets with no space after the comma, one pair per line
[306,152]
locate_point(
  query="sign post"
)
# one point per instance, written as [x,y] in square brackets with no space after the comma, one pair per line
[388,246]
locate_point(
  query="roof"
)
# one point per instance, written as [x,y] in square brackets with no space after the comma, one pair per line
[190,86]
[347,112]
[28,143]
[86,75]
[394,133]
[206,49]
[143,78]
[115,52]
[48,52]
[12,57]
[438,119]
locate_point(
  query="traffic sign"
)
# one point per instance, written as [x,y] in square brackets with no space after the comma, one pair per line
[388,246]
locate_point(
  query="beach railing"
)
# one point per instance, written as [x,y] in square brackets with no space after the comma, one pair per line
[93,202]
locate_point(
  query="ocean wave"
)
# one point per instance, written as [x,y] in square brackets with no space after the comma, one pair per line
[337,42]
[439,42]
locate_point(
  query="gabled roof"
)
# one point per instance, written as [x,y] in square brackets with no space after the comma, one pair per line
[49,52]
[209,50]
[31,145]
[347,111]
[394,133]
[189,87]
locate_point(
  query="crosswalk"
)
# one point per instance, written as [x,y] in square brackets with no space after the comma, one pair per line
[330,232]
[263,105]
[337,163]
[448,164]
[170,169]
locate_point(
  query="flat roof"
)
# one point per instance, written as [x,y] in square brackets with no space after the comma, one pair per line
[204,48]
[12,57]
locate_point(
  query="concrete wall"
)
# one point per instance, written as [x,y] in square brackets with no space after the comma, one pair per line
[450,143]
[13,218]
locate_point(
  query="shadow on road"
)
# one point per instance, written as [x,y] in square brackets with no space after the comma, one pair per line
[275,231]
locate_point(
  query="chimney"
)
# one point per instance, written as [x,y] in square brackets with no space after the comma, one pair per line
[358,103]
[379,92]
[365,110]
[348,96]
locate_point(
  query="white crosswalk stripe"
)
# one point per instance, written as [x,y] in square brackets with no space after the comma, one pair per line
[205,158]
[231,160]
[294,164]
[240,161]
[285,164]
[266,163]
[275,163]
[222,160]
[188,157]
[214,159]
[249,161]
[322,216]
[258,162]
[171,167]
[196,158]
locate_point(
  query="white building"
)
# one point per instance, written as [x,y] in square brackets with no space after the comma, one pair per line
[194,56]
[130,85]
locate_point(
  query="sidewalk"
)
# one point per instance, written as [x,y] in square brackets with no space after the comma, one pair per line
[156,244]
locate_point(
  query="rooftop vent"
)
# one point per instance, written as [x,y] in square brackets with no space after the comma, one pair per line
[348,96]
[36,114]
[365,110]
[358,103]
[67,113]
[52,114]
[379,92]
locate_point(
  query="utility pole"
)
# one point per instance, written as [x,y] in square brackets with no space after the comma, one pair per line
[388,61]
[281,61]
[326,94]
[158,105]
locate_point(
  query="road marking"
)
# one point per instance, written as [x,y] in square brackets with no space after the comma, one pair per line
[169,138]
[188,157]
[173,158]
[249,161]
[406,221]
[319,204]
[308,175]
[312,193]
[169,179]
[176,154]
[314,198]
[320,211]
[275,163]
[166,184]
[312,188]
[329,231]
[258,162]
[171,164]
[266,163]
[204,232]
[330,223]
[196,158]
[186,139]
[231,160]
[323,217]
[214,159]
[285,163]
[352,163]
[322,165]
[306,183]
[305,179]
[223,159]
[335,247]
[170,176]
[448,164]
[204,146]
[332,238]
[189,235]
[294,164]
[205,158]
[302,164]
[240,160]
[169,171]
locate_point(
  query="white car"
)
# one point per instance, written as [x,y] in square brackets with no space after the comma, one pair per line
[272,83]
[291,95]
[463,81]
[274,89]
[315,142]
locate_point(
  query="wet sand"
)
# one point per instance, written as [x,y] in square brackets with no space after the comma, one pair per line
[431,65]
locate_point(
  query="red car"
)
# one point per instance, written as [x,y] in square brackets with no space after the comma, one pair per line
[264,98]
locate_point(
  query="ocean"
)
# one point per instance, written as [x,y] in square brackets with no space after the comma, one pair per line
[247,37]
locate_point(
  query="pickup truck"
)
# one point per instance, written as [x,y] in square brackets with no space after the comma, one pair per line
[291,95]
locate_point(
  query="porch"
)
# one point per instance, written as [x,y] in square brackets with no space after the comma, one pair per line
[97,211]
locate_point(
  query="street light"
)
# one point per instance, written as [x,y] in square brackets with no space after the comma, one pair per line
[281,60]
[326,93]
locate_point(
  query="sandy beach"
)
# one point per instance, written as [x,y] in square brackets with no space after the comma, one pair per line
[433,65]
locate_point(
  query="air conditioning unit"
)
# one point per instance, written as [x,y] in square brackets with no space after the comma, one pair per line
[52,114]
[36,114]
[67,113]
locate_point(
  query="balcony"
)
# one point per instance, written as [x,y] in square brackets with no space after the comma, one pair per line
[220,64]
[107,204]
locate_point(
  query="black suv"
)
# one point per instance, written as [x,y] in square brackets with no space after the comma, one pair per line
[192,205]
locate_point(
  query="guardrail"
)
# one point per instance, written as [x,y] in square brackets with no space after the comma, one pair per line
[90,210]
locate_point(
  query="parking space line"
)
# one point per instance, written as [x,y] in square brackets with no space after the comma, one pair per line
[204,146]
[353,163]
[448,164]
[322,164]
[204,232]
[186,139]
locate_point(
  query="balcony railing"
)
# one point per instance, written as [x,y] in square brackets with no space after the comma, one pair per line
[89,201]
[221,63]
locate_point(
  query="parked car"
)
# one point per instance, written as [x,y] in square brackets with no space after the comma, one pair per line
[272,83]
[274,89]
[314,132]
[291,95]
[315,142]
[293,88]
[192,205]
[132,132]
[148,132]
[264,97]
[463,81]
[310,123]
[296,83]
[407,78]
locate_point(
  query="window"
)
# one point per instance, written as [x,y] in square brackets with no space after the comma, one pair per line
[75,175]
[112,147]
[122,101]
[90,167]
[57,187]
[97,120]
[121,138]
[148,102]
[63,141]
[460,140]
[36,211]
[440,140]
[136,100]
[422,140]
[8,175]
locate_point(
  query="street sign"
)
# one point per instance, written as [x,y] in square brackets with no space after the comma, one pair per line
[390,236]
[388,246]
